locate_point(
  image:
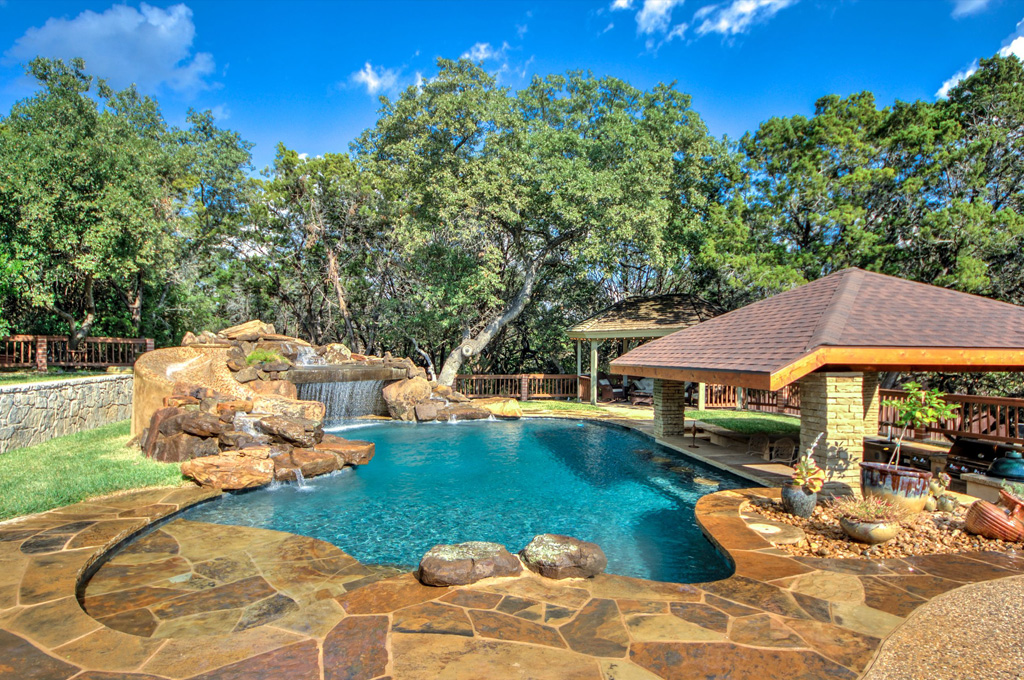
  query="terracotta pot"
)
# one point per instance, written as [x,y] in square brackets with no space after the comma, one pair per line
[988,520]
[904,486]
[1013,504]
[869,532]
[797,500]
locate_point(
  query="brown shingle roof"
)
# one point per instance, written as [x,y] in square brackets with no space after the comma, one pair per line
[645,317]
[880,322]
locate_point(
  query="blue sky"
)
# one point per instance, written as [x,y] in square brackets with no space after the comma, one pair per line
[309,73]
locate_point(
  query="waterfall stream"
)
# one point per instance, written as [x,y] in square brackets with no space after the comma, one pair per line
[344,400]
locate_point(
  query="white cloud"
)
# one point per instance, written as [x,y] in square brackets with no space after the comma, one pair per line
[521,30]
[964,8]
[1015,47]
[221,112]
[148,46]
[655,16]
[482,51]
[376,79]
[419,80]
[622,4]
[738,16]
[607,28]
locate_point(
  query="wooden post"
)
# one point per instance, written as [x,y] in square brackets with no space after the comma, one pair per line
[41,353]
[524,387]
[579,369]
[593,372]
[702,397]
[741,393]
[150,345]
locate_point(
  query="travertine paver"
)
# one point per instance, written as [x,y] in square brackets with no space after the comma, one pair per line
[194,600]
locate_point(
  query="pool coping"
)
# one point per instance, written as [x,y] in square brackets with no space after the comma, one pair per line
[775,614]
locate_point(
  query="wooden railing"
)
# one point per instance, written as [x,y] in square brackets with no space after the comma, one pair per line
[997,419]
[719,396]
[786,400]
[43,351]
[523,386]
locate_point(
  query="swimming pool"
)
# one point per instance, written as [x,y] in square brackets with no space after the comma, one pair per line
[503,481]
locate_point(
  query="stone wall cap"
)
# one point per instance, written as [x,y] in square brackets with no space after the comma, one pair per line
[63,382]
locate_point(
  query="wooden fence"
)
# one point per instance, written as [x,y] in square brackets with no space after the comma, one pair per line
[43,351]
[997,419]
[523,386]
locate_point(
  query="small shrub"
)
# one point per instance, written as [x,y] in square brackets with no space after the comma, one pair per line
[868,509]
[259,356]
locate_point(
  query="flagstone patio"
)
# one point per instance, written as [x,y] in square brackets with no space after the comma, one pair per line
[196,600]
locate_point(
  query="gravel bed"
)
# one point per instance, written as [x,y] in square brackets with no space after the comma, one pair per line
[927,533]
[971,632]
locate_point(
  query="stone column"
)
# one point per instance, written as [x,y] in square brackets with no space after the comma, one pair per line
[669,408]
[702,396]
[843,408]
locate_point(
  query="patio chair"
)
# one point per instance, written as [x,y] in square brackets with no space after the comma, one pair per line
[759,445]
[784,451]
[608,392]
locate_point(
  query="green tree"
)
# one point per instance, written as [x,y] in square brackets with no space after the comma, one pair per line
[492,190]
[86,190]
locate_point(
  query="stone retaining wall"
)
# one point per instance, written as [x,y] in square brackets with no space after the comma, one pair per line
[36,412]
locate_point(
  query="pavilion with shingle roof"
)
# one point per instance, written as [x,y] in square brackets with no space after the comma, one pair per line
[832,336]
[636,319]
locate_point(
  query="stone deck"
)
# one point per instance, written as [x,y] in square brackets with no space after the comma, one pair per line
[203,601]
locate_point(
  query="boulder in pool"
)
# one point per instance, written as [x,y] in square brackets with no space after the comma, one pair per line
[297,431]
[465,563]
[229,472]
[502,407]
[313,463]
[402,396]
[348,451]
[556,556]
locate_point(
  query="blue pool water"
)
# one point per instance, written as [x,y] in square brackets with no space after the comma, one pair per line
[503,481]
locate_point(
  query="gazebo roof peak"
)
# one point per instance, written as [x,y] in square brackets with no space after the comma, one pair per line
[645,317]
[850,320]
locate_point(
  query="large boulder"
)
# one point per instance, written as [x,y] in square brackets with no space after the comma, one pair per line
[347,451]
[335,353]
[229,472]
[462,412]
[250,331]
[182,446]
[556,556]
[448,394]
[502,407]
[280,388]
[152,433]
[426,412]
[298,431]
[310,461]
[403,395]
[465,563]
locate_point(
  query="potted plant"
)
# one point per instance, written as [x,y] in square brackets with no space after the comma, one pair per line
[906,486]
[870,519]
[800,493]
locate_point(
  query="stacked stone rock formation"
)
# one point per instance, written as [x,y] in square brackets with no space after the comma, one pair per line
[416,399]
[221,443]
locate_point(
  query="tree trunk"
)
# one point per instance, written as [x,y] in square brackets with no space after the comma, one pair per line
[473,346]
[332,272]
[79,331]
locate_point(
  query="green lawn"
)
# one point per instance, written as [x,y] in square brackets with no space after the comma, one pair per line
[69,469]
[21,377]
[748,422]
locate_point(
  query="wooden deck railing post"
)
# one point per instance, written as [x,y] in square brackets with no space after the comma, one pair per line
[41,353]
[150,344]
[524,387]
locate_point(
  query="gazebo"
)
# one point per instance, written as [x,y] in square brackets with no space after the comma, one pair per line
[833,336]
[636,320]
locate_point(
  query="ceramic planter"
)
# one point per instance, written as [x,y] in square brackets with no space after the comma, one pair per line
[869,532]
[991,521]
[903,486]
[797,500]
